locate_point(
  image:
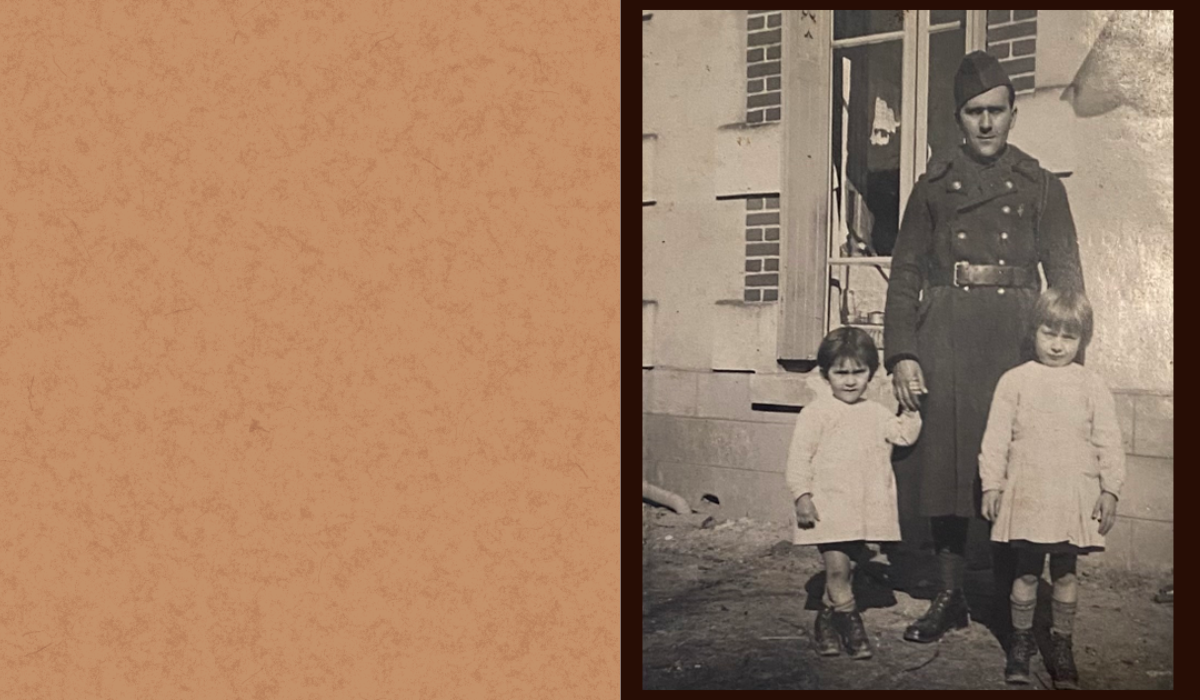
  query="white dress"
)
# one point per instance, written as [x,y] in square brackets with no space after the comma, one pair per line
[1052,444]
[841,454]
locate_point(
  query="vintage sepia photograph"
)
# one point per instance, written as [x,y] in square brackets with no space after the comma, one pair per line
[907,349]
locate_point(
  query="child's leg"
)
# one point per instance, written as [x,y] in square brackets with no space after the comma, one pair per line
[1066,591]
[1023,600]
[839,594]
[839,597]
[1024,589]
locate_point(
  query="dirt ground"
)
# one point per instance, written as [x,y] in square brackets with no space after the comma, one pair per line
[724,606]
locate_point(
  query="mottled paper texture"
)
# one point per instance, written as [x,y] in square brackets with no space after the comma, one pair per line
[308,350]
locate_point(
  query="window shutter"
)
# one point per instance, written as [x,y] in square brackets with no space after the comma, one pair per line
[805,183]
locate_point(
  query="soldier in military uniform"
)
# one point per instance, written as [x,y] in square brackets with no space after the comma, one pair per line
[964,281]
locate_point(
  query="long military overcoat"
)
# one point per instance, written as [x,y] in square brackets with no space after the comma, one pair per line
[1007,212]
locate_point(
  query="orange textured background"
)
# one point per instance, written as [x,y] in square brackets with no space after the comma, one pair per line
[309,350]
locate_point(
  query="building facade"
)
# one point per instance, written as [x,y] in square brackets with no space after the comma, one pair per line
[778,151]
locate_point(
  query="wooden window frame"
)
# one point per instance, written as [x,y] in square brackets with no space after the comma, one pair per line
[806,196]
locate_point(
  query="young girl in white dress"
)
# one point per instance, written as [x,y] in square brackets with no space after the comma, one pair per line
[840,475]
[1052,466]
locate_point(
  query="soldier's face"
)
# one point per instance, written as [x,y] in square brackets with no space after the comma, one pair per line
[985,121]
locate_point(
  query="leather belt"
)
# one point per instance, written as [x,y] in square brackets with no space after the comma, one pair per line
[967,275]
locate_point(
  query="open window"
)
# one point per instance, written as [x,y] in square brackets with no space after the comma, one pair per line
[892,110]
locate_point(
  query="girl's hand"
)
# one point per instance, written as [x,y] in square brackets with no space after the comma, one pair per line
[806,512]
[991,504]
[1105,511]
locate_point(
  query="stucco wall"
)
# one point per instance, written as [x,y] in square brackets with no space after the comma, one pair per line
[1121,184]
[1121,198]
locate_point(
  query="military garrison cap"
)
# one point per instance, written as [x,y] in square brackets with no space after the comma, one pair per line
[978,73]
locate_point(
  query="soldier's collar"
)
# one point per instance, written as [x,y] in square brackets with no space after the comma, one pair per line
[984,163]
[1023,163]
[1013,158]
[937,168]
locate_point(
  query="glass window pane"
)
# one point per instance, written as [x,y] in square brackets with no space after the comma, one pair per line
[866,148]
[944,16]
[945,53]
[851,23]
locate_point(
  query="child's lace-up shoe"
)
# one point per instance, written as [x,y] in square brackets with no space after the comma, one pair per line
[1062,662]
[825,637]
[1020,651]
[849,626]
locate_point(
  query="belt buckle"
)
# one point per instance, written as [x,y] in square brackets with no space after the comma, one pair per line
[962,265]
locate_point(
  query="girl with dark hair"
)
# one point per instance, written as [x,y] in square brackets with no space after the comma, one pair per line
[840,463]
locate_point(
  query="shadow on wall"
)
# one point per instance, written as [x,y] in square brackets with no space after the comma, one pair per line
[1131,63]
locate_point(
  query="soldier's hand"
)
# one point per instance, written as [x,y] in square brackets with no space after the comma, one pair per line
[908,383]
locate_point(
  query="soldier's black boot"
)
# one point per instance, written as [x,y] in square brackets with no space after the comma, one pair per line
[849,626]
[1062,662]
[948,611]
[825,637]
[1021,649]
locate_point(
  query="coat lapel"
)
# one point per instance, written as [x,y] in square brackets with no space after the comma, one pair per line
[994,185]
[995,181]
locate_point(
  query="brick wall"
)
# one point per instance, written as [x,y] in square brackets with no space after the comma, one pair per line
[762,248]
[764,50]
[1012,38]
